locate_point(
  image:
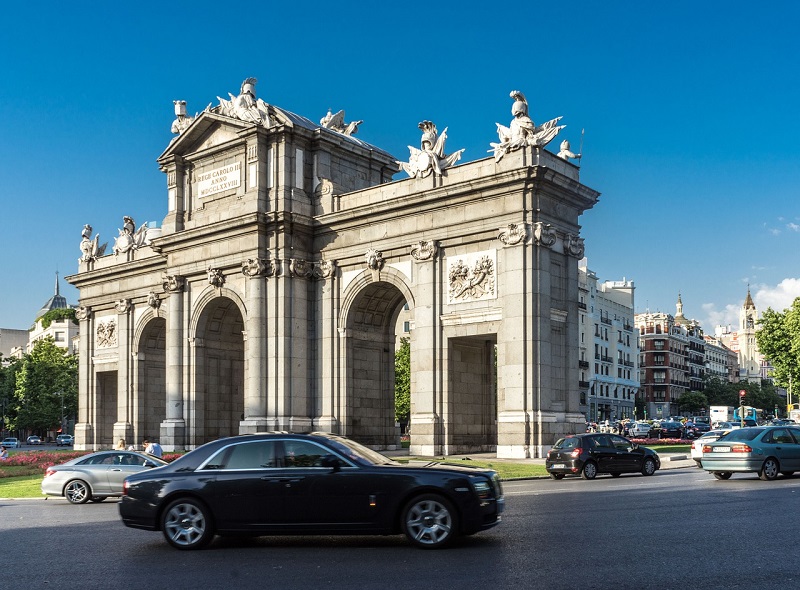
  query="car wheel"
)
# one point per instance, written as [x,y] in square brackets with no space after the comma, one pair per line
[556,476]
[77,492]
[97,498]
[589,470]
[648,467]
[186,524]
[430,521]
[769,470]
[722,474]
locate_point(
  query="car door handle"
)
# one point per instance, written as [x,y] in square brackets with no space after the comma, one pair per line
[281,478]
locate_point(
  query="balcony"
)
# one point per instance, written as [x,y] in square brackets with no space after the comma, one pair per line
[583,384]
[583,364]
[605,321]
[581,305]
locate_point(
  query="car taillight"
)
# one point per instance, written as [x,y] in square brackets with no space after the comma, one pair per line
[741,449]
[706,448]
[575,453]
[125,488]
[50,471]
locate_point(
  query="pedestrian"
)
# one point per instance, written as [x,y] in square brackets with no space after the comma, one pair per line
[152,448]
[120,445]
[3,453]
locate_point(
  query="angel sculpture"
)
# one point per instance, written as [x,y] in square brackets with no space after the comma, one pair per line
[431,157]
[336,123]
[90,248]
[246,107]
[522,131]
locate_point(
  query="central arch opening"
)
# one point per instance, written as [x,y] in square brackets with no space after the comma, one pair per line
[369,415]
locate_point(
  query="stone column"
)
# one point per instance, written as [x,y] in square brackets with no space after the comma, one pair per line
[173,428]
[325,408]
[123,426]
[514,380]
[84,428]
[426,383]
[255,386]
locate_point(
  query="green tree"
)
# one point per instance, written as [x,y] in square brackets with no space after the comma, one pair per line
[46,385]
[778,338]
[402,381]
[721,393]
[692,402]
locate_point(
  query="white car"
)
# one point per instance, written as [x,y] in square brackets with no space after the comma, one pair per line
[10,443]
[708,437]
[639,430]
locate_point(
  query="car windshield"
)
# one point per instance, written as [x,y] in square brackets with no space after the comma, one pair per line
[743,434]
[566,443]
[359,453]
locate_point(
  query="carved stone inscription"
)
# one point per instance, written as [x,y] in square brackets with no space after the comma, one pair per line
[219,180]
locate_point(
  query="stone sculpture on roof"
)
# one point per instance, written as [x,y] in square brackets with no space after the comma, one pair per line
[522,131]
[246,107]
[336,123]
[565,152]
[91,248]
[129,237]
[431,157]
[181,122]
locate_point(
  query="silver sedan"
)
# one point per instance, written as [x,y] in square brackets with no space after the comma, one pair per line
[97,476]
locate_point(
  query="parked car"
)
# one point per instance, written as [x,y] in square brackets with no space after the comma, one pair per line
[666,429]
[710,436]
[589,454]
[639,430]
[64,440]
[766,450]
[693,430]
[318,483]
[10,443]
[33,440]
[95,477]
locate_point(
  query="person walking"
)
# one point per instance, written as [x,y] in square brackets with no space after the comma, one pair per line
[120,445]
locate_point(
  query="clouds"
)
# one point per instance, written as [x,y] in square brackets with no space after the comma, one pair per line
[779,297]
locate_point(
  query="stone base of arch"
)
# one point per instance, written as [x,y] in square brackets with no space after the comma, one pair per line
[173,435]
[124,431]
[256,424]
[84,437]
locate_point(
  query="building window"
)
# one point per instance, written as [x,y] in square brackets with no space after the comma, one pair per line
[59,336]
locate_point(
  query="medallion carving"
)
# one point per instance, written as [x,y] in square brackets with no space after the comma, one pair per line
[513,234]
[544,234]
[575,246]
[374,259]
[424,250]
[215,277]
[173,283]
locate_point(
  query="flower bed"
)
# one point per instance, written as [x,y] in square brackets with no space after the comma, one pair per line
[39,461]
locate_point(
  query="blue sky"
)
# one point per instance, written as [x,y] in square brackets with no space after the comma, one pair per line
[689,110]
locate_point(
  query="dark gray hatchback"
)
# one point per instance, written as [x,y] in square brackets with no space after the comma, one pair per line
[592,453]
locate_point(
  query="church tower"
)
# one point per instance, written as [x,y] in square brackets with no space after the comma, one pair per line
[749,358]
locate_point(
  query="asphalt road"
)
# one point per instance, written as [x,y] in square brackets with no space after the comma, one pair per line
[680,528]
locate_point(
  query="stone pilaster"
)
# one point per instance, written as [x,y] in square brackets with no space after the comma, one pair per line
[173,428]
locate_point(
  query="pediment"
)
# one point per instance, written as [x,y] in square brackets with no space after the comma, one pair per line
[206,131]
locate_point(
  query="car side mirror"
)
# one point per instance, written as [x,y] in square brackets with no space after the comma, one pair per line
[332,463]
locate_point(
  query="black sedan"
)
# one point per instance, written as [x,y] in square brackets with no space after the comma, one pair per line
[318,483]
[589,454]
[670,430]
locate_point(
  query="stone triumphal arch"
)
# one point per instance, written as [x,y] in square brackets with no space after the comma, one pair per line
[268,298]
